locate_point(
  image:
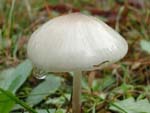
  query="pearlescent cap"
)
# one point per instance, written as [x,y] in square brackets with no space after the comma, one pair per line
[75,42]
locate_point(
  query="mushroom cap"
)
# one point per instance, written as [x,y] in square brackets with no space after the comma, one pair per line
[75,42]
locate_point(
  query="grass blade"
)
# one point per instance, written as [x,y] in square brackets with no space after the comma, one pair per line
[18,101]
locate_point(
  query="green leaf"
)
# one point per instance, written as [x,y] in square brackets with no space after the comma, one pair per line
[6,104]
[15,99]
[20,75]
[45,111]
[145,45]
[49,111]
[6,78]
[11,79]
[131,106]
[101,84]
[47,87]
[58,101]
[60,111]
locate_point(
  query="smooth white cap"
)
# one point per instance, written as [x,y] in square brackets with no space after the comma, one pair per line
[75,42]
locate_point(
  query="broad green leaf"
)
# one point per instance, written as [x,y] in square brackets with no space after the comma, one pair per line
[145,45]
[20,75]
[11,79]
[131,106]
[47,87]
[6,104]
[6,78]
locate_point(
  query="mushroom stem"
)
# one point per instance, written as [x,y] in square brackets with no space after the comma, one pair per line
[76,101]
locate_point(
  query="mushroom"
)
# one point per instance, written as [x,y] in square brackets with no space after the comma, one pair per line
[74,43]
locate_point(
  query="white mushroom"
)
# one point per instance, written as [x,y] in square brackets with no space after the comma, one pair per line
[75,42]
